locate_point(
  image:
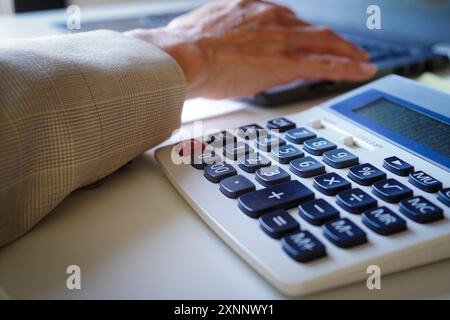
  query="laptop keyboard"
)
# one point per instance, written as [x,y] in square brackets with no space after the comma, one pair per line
[261,151]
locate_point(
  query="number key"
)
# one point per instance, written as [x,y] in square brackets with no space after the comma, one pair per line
[280,124]
[269,176]
[287,153]
[299,135]
[318,146]
[219,171]
[340,158]
[306,167]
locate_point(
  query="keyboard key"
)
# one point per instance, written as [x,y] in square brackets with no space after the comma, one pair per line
[318,146]
[235,186]
[234,150]
[444,196]
[250,131]
[280,124]
[303,246]
[201,160]
[355,200]
[306,167]
[397,166]
[219,171]
[366,174]
[298,135]
[344,233]
[340,158]
[268,141]
[331,183]
[281,196]
[390,190]
[383,221]
[188,147]
[317,212]
[420,210]
[268,176]
[287,153]
[252,162]
[425,182]
[278,223]
[220,139]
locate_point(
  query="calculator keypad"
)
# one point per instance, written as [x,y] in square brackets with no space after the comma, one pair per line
[280,193]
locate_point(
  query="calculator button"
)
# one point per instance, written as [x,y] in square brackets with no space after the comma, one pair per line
[219,171]
[390,190]
[278,223]
[383,221]
[303,246]
[188,147]
[299,135]
[397,166]
[444,196]
[268,176]
[268,141]
[420,210]
[306,167]
[424,182]
[344,233]
[234,150]
[287,153]
[317,212]
[201,160]
[340,158]
[330,183]
[250,131]
[365,174]
[235,186]
[355,200]
[220,139]
[281,196]
[280,124]
[318,146]
[252,162]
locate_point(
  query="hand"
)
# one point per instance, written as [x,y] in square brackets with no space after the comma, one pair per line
[233,48]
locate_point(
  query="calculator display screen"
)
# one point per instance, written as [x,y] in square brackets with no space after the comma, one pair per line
[409,123]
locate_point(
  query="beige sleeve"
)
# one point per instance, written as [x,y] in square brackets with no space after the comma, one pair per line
[73,109]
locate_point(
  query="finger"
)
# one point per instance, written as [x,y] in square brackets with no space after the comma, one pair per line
[286,16]
[306,39]
[315,66]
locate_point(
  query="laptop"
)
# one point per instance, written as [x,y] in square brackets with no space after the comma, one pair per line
[414,37]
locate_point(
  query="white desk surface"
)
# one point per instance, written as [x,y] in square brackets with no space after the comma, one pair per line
[135,237]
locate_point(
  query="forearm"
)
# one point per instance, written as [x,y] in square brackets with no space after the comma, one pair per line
[73,111]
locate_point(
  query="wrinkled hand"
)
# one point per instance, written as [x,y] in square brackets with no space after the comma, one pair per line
[233,48]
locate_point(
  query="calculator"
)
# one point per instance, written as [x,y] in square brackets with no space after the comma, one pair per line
[313,200]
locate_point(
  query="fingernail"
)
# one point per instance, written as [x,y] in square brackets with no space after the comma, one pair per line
[368,68]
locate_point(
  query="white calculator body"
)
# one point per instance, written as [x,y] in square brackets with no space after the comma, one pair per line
[389,148]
